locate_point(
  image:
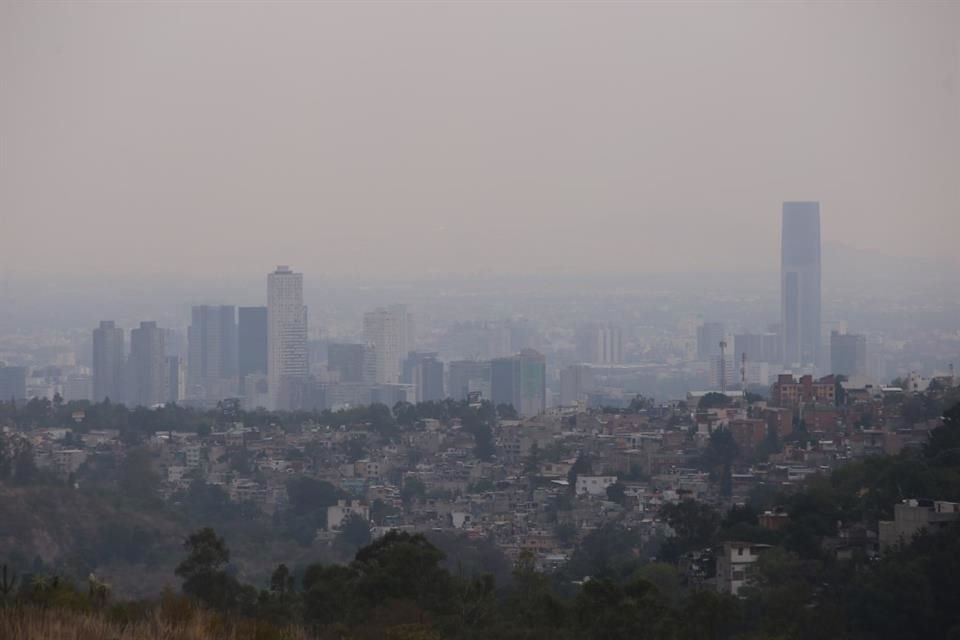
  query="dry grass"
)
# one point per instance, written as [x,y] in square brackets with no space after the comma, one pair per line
[32,623]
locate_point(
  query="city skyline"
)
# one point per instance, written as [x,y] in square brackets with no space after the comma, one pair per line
[459,319]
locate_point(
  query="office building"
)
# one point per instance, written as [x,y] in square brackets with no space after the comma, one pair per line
[709,337]
[391,394]
[469,376]
[176,380]
[212,352]
[352,362]
[788,391]
[13,383]
[109,361]
[175,343]
[425,372]
[286,336]
[576,382]
[600,344]
[148,366]
[77,387]
[848,355]
[251,340]
[520,381]
[759,347]
[800,283]
[254,391]
[390,330]
[724,372]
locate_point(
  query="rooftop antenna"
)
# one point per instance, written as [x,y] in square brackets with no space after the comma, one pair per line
[723,366]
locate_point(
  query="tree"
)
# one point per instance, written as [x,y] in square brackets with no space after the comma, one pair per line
[770,445]
[356,449]
[203,572]
[207,552]
[479,427]
[8,582]
[16,459]
[721,451]
[406,414]
[309,499]
[709,616]
[617,492]
[635,610]
[920,407]
[208,503]
[612,551]
[639,404]
[945,439]
[281,581]
[329,595]
[713,400]
[413,487]
[309,495]
[531,464]
[726,480]
[532,610]
[137,477]
[380,511]
[780,594]
[354,533]
[507,412]
[566,533]
[694,524]
[581,466]
[403,566]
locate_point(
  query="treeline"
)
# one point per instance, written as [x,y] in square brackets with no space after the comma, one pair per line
[136,424]
[396,587]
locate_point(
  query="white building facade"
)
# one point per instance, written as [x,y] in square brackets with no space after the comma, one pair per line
[391,332]
[286,335]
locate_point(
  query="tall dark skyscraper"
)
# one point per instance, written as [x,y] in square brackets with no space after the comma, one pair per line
[848,354]
[352,362]
[13,383]
[109,360]
[520,381]
[212,351]
[423,369]
[469,375]
[252,340]
[709,336]
[759,347]
[800,283]
[148,366]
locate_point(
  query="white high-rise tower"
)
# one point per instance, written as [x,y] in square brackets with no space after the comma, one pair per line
[286,335]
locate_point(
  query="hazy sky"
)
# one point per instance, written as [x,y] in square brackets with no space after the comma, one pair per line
[411,138]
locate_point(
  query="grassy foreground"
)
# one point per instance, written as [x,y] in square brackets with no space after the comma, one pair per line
[34,623]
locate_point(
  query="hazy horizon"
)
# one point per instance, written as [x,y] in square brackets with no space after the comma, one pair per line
[410,139]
